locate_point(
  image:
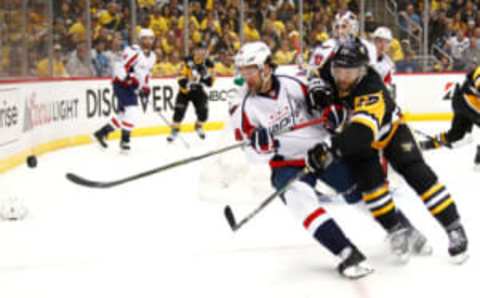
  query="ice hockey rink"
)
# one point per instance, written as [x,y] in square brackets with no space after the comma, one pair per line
[157,237]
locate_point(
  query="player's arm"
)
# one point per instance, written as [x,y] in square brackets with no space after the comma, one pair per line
[364,126]
[123,70]
[209,77]
[183,78]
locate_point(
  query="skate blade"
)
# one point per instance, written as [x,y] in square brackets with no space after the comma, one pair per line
[426,250]
[460,258]
[402,258]
[357,272]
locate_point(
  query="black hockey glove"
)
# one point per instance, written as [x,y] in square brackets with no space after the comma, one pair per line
[262,141]
[320,95]
[319,158]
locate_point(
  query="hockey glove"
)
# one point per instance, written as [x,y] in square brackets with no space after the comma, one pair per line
[144,91]
[262,141]
[336,116]
[320,95]
[130,82]
[319,158]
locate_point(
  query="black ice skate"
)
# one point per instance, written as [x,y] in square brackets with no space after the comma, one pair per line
[124,147]
[353,264]
[477,160]
[200,132]
[458,243]
[101,135]
[173,135]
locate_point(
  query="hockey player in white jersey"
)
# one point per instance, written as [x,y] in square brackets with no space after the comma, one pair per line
[272,103]
[130,79]
[345,27]
[382,37]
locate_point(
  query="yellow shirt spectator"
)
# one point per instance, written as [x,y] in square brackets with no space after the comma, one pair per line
[282,57]
[165,69]
[77,31]
[396,51]
[159,24]
[279,27]
[223,70]
[250,33]
[145,3]
[193,20]
[58,68]
[167,47]
[321,37]
[104,17]
[216,25]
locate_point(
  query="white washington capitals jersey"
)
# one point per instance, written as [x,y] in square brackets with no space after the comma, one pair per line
[281,108]
[327,50]
[134,61]
[385,67]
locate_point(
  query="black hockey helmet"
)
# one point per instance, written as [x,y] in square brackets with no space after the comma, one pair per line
[351,54]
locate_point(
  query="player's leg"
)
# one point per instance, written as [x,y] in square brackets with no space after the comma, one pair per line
[461,124]
[367,171]
[339,177]
[181,105]
[200,102]
[128,119]
[301,200]
[101,135]
[406,158]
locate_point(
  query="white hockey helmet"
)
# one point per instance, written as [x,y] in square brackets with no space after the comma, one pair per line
[348,18]
[253,53]
[146,32]
[383,33]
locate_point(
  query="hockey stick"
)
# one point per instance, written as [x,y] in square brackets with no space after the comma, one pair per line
[430,138]
[170,125]
[229,213]
[99,184]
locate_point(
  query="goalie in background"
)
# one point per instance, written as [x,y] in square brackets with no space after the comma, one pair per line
[466,113]
[131,78]
[196,73]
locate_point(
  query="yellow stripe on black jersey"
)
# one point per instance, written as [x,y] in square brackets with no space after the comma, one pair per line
[369,110]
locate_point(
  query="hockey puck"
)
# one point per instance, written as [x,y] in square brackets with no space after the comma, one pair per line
[32,161]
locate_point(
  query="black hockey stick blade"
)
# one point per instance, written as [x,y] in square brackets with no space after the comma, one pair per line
[85,182]
[230,217]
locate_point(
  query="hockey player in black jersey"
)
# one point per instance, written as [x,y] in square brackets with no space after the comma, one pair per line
[376,125]
[196,72]
[466,113]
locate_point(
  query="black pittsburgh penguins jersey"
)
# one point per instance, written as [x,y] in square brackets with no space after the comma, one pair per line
[194,74]
[470,91]
[374,116]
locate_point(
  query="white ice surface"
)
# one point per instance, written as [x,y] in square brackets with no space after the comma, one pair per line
[156,238]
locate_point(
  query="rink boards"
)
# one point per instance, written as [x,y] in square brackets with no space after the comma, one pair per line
[42,116]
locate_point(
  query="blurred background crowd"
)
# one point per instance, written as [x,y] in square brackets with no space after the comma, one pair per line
[83,38]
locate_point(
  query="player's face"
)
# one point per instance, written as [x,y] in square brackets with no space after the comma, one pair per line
[147,42]
[199,55]
[342,30]
[251,74]
[382,45]
[345,78]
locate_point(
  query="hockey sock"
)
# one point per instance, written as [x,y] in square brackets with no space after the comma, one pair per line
[106,130]
[332,237]
[380,203]
[125,136]
[440,204]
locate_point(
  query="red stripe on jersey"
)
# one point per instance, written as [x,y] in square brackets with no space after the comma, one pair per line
[130,62]
[388,78]
[115,122]
[317,213]
[127,124]
[238,135]
[247,126]
[287,163]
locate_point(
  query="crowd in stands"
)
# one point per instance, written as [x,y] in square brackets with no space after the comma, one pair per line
[454,30]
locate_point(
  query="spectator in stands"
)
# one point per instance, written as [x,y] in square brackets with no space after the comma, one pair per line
[456,46]
[284,55]
[472,55]
[224,66]
[114,51]
[395,51]
[409,64]
[58,66]
[370,23]
[102,65]
[249,31]
[78,64]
